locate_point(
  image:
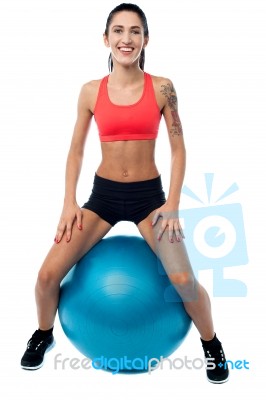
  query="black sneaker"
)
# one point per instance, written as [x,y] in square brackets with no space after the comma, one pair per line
[37,346]
[214,354]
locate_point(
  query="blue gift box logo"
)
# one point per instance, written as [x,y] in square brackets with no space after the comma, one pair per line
[215,238]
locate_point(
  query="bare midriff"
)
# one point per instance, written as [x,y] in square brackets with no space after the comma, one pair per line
[128,160]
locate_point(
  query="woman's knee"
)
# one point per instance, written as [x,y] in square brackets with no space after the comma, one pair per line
[185,284]
[183,280]
[47,279]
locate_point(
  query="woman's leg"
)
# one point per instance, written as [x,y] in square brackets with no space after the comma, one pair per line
[196,300]
[60,259]
[178,268]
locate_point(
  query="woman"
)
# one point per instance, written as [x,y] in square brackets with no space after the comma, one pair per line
[127,106]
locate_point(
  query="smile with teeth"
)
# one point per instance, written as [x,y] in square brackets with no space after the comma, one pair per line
[126,49]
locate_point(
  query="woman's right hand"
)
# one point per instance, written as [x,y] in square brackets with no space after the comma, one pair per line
[71,213]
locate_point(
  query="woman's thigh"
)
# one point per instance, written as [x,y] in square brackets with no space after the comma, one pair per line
[64,255]
[173,256]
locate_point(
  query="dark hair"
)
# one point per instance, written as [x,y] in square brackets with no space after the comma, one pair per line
[133,8]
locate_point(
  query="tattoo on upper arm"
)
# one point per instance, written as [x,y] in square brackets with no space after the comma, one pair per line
[169,92]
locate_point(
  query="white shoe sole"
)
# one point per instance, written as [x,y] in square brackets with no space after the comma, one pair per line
[52,345]
[225,380]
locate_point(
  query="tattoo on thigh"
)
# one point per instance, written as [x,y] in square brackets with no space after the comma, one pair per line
[169,92]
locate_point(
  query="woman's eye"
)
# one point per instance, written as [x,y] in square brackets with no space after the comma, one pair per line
[120,31]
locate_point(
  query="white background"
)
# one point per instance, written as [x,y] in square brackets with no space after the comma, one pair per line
[214,51]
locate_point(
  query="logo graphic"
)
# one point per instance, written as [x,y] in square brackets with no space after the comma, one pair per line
[115,365]
[215,238]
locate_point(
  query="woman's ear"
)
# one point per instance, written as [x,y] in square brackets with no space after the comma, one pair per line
[146,41]
[105,40]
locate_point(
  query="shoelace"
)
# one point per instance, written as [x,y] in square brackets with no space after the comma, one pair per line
[218,356]
[35,343]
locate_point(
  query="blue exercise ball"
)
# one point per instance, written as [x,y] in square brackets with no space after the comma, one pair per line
[117,303]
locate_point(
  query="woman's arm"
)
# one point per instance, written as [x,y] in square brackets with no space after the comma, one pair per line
[71,210]
[76,151]
[178,151]
[169,211]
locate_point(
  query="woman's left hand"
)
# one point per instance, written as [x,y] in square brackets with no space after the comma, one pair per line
[170,219]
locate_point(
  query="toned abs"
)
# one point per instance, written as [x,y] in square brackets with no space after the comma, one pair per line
[128,161]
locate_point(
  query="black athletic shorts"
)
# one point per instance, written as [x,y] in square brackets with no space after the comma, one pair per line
[125,201]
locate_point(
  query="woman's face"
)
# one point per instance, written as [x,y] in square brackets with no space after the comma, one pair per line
[126,38]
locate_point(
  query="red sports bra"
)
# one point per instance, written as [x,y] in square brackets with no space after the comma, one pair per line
[138,121]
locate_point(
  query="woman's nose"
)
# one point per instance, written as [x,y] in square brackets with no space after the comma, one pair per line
[126,38]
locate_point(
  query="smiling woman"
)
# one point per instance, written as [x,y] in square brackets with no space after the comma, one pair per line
[127,106]
[128,39]
[141,28]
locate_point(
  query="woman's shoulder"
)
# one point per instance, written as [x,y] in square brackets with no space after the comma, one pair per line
[92,86]
[89,92]
[162,86]
[159,81]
